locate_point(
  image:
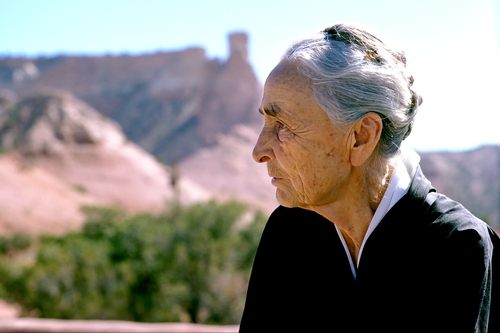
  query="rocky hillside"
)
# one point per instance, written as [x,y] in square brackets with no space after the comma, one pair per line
[60,154]
[169,103]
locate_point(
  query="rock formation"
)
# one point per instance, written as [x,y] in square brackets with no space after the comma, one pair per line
[59,153]
[170,103]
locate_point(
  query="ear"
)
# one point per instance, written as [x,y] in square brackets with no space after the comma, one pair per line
[366,133]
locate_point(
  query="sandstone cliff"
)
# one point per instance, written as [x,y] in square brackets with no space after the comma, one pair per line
[170,103]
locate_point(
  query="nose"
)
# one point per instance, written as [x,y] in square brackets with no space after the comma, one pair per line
[263,152]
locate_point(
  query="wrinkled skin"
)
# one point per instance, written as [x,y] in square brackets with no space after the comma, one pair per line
[305,152]
[314,163]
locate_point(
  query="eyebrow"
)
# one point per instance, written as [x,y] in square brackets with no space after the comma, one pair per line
[273,110]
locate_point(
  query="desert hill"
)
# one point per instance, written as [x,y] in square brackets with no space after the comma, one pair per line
[60,154]
[34,201]
[169,103]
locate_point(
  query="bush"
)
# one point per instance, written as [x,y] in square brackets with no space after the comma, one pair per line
[187,264]
[14,244]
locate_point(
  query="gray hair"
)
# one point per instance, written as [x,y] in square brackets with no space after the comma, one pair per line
[353,73]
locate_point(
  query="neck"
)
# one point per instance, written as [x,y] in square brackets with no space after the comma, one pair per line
[354,212]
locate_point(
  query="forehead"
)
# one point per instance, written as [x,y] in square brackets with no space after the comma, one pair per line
[285,77]
[286,73]
[289,93]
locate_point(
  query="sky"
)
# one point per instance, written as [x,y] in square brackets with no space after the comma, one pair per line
[452,46]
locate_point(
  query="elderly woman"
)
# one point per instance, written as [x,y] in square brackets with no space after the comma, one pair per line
[361,241]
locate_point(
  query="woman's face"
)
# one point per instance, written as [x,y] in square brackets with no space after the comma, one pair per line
[306,154]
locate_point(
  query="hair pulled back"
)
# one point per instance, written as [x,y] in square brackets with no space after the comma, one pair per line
[353,73]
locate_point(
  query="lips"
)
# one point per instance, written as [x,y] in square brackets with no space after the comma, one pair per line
[275,180]
[274,177]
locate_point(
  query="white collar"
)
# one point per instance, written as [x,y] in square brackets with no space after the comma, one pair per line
[399,185]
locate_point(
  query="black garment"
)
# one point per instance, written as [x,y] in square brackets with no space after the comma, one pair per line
[427,267]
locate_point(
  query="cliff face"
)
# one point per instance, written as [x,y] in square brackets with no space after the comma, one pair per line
[170,103]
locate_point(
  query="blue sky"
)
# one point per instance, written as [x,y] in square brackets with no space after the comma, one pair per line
[452,46]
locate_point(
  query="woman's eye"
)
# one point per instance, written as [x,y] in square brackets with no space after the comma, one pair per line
[281,125]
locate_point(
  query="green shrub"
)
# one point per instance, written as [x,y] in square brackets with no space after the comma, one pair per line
[16,243]
[187,264]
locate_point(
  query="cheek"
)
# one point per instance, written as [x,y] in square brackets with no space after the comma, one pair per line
[286,158]
[289,153]
[302,166]
[313,162]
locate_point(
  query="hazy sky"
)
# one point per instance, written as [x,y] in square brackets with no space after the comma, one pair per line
[452,46]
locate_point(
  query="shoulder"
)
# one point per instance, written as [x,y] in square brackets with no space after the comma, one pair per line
[299,219]
[451,220]
[435,226]
[436,217]
[284,212]
[294,229]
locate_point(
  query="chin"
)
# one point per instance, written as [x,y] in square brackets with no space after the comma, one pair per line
[286,200]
